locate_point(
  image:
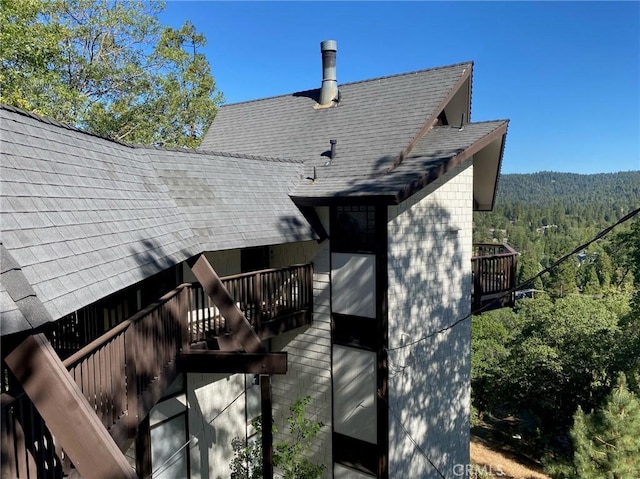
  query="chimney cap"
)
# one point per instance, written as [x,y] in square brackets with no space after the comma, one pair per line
[329,45]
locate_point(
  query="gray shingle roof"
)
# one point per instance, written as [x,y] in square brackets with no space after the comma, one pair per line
[377,124]
[430,157]
[76,207]
[84,217]
[373,123]
[231,199]
[21,307]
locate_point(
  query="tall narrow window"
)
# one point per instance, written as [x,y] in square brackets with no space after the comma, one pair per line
[354,393]
[354,229]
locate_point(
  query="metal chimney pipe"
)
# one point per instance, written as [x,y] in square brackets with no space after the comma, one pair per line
[329,91]
[333,149]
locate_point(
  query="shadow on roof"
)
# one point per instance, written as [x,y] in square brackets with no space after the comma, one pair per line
[312,94]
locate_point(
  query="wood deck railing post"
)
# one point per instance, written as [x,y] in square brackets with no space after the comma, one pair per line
[143,449]
[257,300]
[477,283]
[67,413]
[132,382]
[184,321]
[267,426]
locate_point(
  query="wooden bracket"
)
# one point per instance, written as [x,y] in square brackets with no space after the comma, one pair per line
[66,411]
[241,331]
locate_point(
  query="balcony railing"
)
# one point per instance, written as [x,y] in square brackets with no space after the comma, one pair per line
[28,449]
[494,273]
[123,373]
[273,300]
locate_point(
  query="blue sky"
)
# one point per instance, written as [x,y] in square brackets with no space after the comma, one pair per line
[567,75]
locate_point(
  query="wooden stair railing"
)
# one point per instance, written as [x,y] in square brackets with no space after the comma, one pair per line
[67,413]
[93,401]
[124,373]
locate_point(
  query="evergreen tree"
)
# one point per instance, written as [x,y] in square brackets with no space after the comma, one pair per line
[607,442]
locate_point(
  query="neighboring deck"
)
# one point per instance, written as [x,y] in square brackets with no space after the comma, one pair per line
[494,268]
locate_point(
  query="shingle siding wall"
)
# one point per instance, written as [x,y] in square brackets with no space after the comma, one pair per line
[215,418]
[309,352]
[309,371]
[429,251]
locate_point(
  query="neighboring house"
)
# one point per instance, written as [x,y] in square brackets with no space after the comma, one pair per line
[355,201]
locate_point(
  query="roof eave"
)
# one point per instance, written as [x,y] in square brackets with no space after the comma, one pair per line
[434,115]
[434,173]
[494,174]
[371,199]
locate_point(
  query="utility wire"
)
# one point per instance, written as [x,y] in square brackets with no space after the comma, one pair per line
[415,443]
[528,282]
[165,466]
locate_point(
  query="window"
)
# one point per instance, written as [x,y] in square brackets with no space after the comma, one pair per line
[354,229]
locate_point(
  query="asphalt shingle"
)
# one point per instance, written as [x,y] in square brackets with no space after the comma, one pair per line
[50,216]
[377,123]
[375,119]
[75,202]
[83,216]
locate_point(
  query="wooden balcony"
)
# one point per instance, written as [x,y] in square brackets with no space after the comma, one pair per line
[494,269]
[123,373]
[273,300]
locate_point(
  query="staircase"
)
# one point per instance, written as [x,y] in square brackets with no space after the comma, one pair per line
[88,407]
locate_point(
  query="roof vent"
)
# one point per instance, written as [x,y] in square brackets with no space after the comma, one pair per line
[329,91]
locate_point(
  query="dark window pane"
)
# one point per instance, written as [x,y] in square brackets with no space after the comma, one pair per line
[353,229]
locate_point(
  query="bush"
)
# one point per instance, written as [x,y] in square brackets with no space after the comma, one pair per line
[291,457]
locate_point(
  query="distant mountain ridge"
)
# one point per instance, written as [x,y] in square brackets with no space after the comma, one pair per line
[546,188]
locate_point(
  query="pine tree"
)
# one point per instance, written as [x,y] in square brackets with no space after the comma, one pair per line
[607,442]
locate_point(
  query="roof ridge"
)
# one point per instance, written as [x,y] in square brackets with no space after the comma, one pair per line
[141,146]
[384,77]
[252,157]
[423,70]
[445,127]
[226,154]
[59,124]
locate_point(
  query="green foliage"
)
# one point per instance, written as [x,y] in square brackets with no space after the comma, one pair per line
[290,456]
[528,267]
[28,46]
[547,357]
[546,215]
[478,472]
[561,351]
[606,442]
[491,337]
[247,458]
[108,67]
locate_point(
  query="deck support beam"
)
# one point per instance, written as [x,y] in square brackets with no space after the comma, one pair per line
[66,411]
[241,331]
[225,362]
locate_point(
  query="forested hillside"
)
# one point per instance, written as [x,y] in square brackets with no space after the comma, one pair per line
[573,191]
[562,370]
[545,215]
